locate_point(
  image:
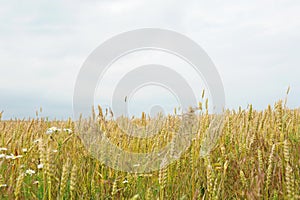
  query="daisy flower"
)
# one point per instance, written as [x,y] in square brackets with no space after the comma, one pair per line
[68,130]
[52,130]
[30,172]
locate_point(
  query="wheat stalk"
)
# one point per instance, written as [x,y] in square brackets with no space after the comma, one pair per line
[19,185]
[73,182]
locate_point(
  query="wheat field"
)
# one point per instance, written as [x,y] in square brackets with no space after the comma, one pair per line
[255,156]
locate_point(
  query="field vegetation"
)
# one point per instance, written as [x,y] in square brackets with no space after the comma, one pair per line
[255,156]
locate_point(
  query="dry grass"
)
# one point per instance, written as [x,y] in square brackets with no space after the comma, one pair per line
[256,157]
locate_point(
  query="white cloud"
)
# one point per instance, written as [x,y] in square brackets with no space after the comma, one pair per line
[253,44]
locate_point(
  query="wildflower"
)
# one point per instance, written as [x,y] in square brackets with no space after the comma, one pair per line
[40,166]
[24,150]
[3,149]
[35,183]
[125,181]
[52,130]
[54,151]
[9,156]
[36,141]
[13,157]
[49,131]
[3,185]
[18,156]
[68,130]
[2,155]
[30,172]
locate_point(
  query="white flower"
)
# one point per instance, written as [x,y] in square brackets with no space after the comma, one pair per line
[35,182]
[18,156]
[9,156]
[30,172]
[3,185]
[53,130]
[136,165]
[125,181]
[40,166]
[3,149]
[13,157]
[54,151]
[36,141]
[2,155]
[24,150]
[68,130]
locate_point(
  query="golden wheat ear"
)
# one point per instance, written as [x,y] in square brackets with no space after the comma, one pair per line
[64,179]
[212,135]
[1,113]
[73,182]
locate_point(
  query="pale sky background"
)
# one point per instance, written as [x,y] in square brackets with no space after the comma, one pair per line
[255,46]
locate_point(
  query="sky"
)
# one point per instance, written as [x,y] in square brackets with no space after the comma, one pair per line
[43,44]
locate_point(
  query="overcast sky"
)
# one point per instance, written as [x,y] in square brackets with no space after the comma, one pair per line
[255,46]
